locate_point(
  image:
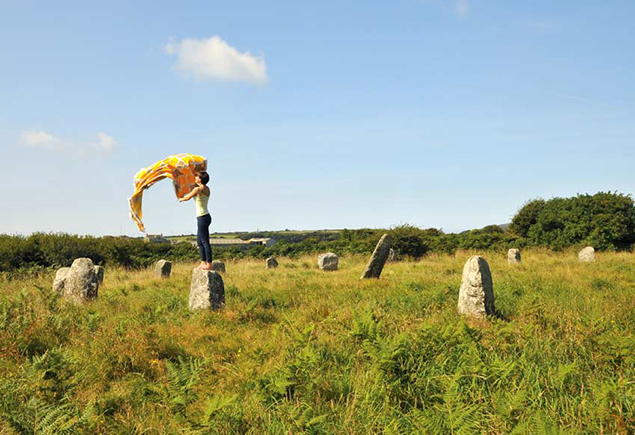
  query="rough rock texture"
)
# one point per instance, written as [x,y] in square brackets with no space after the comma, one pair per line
[99,271]
[587,255]
[513,256]
[218,266]
[476,296]
[60,279]
[272,263]
[328,261]
[79,282]
[207,290]
[392,255]
[378,259]
[162,269]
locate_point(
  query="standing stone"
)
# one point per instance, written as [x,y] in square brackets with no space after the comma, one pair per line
[79,283]
[378,259]
[587,255]
[328,261]
[476,296]
[99,271]
[272,263]
[218,266]
[207,290]
[392,255]
[513,256]
[60,279]
[162,269]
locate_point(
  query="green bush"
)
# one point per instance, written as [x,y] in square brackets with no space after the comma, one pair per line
[605,221]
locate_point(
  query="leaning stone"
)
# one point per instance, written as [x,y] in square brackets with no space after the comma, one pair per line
[587,255]
[378,259]
[60,279]
[476,296]
[218,266]
[272,263]
[81,282]
[99,271]
[163,269]
[328,261]
[513,256]
[207,290]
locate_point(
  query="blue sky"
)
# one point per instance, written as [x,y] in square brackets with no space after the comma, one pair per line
[332,114]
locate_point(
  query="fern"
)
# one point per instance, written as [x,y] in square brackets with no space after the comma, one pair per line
[182,377]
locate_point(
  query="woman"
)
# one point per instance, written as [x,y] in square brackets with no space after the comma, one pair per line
[201,195]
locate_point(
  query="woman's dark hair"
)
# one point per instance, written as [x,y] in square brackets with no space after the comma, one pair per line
[204,176]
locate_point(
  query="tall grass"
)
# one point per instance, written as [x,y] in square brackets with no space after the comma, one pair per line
[298,350]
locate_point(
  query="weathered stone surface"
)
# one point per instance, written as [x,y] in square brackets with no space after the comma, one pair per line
[218,266]
[328,261]
[163,269]
[513,256]
[79,282]
[99,271]
[587,255]
[272,263]
[476,296]
[392,255]
[60,279]
[207,290]
[378,259]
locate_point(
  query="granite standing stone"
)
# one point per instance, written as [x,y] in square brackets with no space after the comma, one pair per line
[513,256]
[476,296]
[378,259]
[218,266]
[99,271]
[207,290]
[60,279]
[392,255]
[272,263]
[79,283]
[587,255]
[163,269]
[328,261]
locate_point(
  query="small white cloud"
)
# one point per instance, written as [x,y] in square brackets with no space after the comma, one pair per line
[462,8]
[214,59]
[106,141]
[42,139]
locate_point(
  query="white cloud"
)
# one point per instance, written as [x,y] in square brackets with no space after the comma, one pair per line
[42,139]
[462,8]
[214,59]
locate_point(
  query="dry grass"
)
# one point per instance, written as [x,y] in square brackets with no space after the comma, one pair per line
[299,350]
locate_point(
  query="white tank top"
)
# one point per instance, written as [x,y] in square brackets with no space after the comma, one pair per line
[201,204]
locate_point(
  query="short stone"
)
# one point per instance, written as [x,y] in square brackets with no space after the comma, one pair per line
[476,296]
[513,256]
[392,255]
[162,269]
[272,263]
[378,259]
[207,290]
[79,283]
[587,255]
[99,271]
[218,266]
[328,261]
[60,279]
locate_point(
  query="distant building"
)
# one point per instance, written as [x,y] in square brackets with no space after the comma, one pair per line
[239,243]
[156,238]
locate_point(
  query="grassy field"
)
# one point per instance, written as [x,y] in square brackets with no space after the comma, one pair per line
[297,350]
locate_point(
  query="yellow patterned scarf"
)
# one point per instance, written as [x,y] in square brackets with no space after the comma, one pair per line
[181,168]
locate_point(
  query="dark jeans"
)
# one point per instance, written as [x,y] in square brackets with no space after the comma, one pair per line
[202,237]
